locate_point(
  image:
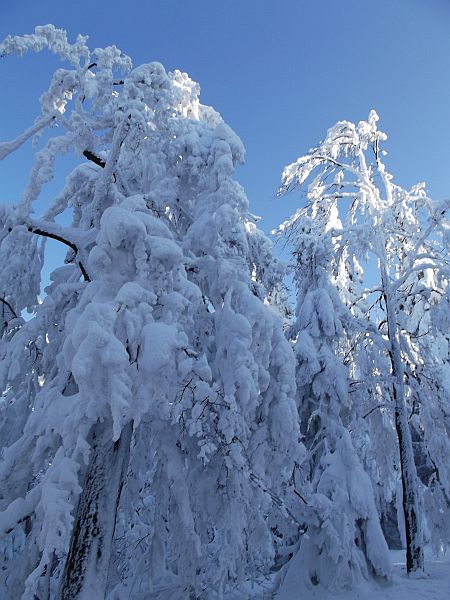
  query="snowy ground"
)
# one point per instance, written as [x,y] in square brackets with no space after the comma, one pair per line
[433,585]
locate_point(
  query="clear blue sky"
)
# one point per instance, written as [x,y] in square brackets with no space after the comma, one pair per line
[279,71]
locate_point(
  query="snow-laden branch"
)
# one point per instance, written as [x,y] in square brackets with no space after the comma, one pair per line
[104,182]
[9,147]
[76,241]
[395,285]
[68,243]
[19,510]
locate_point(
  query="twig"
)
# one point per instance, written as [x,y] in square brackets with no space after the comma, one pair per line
[9,306]
[58,238]
[94,158]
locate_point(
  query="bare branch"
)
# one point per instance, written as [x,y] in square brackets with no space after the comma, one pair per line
[373,410]
[94,158]
[68,243]
[6,303]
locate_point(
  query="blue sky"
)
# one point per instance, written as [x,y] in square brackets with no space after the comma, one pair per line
[279,71]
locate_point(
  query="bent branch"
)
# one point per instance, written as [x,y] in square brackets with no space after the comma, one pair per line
[58,238]
[9,147]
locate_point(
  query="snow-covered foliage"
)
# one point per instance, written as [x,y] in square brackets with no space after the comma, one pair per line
[148,412]
[388,262]
[344,543]
[170,427]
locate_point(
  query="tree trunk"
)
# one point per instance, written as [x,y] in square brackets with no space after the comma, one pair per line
[413,533]
[413,526]
[86,569]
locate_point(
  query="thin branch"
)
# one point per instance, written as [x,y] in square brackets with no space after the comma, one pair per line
[58,238]
[83,271]
[94,158]
[374,409]
[8,147]
[344,166]
[53,236]
[420,267]
[6,303]
[278,502]
[297,493]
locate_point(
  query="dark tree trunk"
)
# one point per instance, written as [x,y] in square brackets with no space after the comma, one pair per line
[412,518]
[86,569]
[414,550]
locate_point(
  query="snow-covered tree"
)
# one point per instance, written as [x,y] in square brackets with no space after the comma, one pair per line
[148,404]
[400,237]
[344,543]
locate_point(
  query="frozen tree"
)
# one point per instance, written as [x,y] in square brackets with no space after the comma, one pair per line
[344,543]
[425,328]
[148,403]
[401,238]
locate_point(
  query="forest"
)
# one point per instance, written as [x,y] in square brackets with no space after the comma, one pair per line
[184,414]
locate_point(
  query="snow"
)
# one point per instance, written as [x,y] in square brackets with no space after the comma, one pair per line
[121,225]
[8,147]
[434,584]
[163,390]
[159,343]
